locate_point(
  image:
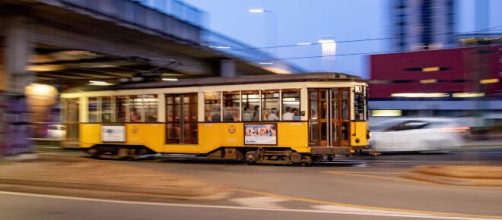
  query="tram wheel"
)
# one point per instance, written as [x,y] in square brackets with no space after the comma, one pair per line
[295,157]
[251,157]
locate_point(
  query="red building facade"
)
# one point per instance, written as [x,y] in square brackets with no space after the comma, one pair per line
[458,73]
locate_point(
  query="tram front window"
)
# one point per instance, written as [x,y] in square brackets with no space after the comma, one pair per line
[359,106]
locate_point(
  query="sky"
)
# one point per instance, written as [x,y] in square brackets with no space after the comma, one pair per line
[295,21]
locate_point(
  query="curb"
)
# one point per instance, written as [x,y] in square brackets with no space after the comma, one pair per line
[458,175]
[21,157]
[186,193]
[57,172]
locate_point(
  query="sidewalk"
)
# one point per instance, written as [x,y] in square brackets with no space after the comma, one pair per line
[82,173]
[476,175]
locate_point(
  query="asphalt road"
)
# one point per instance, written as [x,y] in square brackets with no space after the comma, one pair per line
[22,206]
[365,189]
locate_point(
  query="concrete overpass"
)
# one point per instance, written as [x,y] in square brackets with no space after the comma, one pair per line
[69,42]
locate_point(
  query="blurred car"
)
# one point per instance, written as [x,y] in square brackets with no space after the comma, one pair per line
[417,135]
[56,131]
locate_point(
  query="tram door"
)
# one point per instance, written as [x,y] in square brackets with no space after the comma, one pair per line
[329,117]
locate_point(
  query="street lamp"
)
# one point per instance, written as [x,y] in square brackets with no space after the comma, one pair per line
[271,23]
[328,47]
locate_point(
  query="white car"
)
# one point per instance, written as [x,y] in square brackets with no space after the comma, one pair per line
[416,135]
[56,131]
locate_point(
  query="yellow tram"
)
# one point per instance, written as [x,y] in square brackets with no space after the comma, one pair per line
[275,119]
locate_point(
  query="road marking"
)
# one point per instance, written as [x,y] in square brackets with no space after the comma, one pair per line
[376,177]
[365,207]
[314,211]
[369,172]
[260,202]
[387,213]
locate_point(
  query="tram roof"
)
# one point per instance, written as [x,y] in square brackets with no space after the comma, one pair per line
[214,81]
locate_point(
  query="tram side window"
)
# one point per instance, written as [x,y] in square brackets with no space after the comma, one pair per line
[231,111]
[359,106]
[106,105]
[270,105]
[120,108]
[212,106]
[136,104]
[291,105]
[150,105]
[250,105]
[93,109]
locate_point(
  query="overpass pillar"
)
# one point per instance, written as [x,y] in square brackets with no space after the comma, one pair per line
[15,51]
[227,68]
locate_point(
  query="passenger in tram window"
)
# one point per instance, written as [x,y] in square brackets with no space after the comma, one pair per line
[151,117]
[265,115]
[228,116]
[296,114]
[256,113]
[288,115]
[215,116]
[273,115]
[247,114]
[135,117]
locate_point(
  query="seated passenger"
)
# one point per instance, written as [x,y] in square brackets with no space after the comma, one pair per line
[247,114]
[296,114]
[256,113]
[228,116]
[273,115]
[135,117]
[215,116]
[288,115]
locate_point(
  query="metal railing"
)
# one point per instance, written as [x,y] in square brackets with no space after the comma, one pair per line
[180,21]
[246,52]
[178,9]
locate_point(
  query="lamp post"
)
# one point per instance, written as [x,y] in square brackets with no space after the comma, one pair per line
[328,47]
[271,23]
